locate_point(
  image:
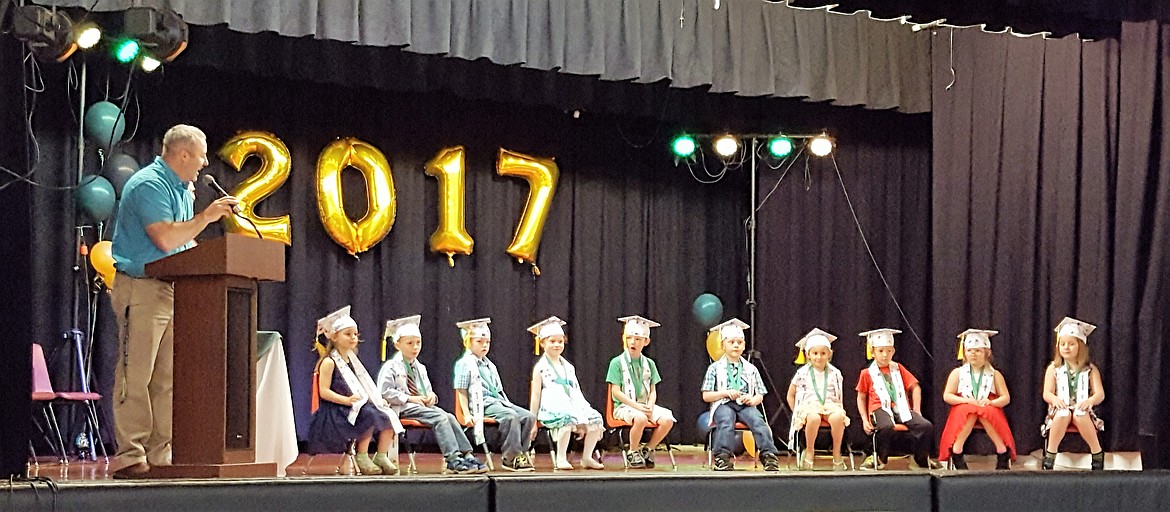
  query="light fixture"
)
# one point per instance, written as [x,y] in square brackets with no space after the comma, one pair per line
[149,63]
[88,36]
[126,50]
[48,33]
[780,147]
[821,145]
[683,146]
[726,146]
[162,31]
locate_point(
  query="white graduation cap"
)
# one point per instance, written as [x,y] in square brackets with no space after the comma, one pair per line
[975,338]
[814,338]
[335,321]
[883,337]
[477,328]
[731,329]
[406,326]
[1075,328]
[637,326]
[551,326]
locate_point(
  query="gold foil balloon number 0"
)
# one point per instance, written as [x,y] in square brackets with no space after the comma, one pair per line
[359,236]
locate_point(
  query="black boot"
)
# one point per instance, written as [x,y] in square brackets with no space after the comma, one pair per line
[1049,460]
[1099,461]
[1003,460]
[957,461]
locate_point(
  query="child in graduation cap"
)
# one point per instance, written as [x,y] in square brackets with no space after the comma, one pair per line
[977,393]
[351,407]
[1072,387]
[633,382]
[481,395]
[817,393]
[888,394]
[557,399]
[735,390]
[405,385]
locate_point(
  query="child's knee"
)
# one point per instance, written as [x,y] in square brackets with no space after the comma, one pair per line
[640,421]
[812,420]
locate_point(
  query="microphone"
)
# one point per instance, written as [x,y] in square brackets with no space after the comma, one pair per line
[209,180]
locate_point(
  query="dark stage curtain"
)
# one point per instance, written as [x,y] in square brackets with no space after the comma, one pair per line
[627,233]
[15,231]
[814,269]
[1050,199]
[746,47]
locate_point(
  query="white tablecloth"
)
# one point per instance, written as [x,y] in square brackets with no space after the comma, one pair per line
[276,432]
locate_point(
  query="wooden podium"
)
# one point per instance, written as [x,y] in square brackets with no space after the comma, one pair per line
[214,425]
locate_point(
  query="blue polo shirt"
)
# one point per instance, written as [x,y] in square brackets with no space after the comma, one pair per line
[153,194]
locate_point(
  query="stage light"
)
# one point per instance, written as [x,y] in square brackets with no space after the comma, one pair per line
[821,145]
[683,146]
[780,147]
[88,36]
[726,146]
[162,31]
[149,63]
[48,34]
[126,50]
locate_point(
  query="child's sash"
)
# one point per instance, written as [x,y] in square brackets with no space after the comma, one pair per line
[628,388]
[879,387]
[359,382]
[1062,390]
[966,383]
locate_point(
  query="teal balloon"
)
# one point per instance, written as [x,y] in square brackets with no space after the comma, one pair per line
[104,124]
[95,197]
[708,309]
[118,168]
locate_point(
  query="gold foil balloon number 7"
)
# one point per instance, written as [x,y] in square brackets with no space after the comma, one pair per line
[541,175]
[358,236]
[274,168]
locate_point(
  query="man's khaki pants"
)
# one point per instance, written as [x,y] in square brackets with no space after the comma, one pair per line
[143,378]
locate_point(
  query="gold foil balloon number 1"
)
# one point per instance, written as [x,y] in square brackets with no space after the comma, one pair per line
[358,236]
[274,168]
[450,237]
[541,175]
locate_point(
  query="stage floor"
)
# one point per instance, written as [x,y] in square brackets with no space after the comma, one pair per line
[88,487]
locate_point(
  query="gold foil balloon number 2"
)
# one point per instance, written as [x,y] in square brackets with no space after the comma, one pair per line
[447,166]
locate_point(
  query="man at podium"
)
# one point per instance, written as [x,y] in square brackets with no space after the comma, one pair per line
[156,218]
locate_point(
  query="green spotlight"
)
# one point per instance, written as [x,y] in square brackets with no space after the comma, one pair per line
[780,147]
[126,50]
[683,146]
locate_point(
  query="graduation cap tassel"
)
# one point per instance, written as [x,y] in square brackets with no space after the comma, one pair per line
[799,357]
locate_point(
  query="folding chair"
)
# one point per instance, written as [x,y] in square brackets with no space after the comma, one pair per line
[350,453]
[824,428]
[468,426]
[620,426]
[410,424]
[43,395]
[898,427]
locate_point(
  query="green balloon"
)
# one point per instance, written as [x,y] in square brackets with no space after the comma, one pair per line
[95,196]
[708,309]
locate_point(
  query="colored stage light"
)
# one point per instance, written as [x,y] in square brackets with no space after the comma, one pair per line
[780,147]
[161,30]
[89,36]
[683,146]
[726,146]
[47,33]
[821,145]
[149,63]
[126,50]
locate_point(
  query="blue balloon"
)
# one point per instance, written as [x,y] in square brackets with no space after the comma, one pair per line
[95,196]
[104,123]
[118,168]
[708,309]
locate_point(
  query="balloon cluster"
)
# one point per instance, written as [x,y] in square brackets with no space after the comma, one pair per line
[97,195]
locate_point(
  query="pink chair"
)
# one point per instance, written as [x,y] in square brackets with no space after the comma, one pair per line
[43,395]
